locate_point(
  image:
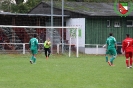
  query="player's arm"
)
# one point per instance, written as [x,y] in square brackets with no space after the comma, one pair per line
[45,43]
[37,44]
[115,43]
[104,45]
[123,46]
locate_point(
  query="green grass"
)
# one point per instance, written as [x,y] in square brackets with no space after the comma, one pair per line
[87,71]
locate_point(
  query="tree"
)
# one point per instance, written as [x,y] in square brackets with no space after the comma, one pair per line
[19,1]
[25,7]
[5,5]
[19,7]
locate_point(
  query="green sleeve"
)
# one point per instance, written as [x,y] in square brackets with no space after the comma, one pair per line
[37,41]
[44,43]
[114,40]
[37,44]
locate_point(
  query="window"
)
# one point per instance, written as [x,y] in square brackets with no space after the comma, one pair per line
[108,23]
[117,24]
[129,23]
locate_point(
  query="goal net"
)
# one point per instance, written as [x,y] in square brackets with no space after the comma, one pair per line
[15,39]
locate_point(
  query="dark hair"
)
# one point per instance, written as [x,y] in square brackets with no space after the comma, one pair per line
[127,35]
[34,35]
[110,34]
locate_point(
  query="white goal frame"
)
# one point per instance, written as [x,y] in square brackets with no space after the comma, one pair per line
[50,27]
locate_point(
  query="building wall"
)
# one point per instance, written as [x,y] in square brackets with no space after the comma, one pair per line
[97,30]
[71,33]
[76,22]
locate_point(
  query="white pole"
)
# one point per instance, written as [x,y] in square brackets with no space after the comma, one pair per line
[57,48]
[70,47]
[62,26]
[96,49]
[77,43]
[51,37]
[23,48]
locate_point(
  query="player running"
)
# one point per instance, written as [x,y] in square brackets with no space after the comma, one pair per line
[127,47]
[33,44]
[111,47]
[106,55]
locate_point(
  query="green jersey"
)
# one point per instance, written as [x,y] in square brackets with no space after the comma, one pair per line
[33,44]
[110,42]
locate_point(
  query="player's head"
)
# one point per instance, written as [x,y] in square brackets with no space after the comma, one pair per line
[34,35]
[48,39]
[127,35]
[110,34]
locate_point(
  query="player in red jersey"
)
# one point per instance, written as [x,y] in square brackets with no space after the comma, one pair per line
[127,47]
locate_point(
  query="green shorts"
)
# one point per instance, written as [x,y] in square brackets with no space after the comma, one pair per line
[34,51]
[111,51]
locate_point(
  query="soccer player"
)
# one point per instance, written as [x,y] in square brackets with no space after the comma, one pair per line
[106,55]
[111,47]
[47,45]
[127,47]
[33,44]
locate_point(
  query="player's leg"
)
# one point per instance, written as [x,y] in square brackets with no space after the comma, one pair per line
[112,59]
[106,56]
[31,60]
[130,55]
[127,60]
[34,60]
[110,62]
[109,52]
[49,52]
[114,54]
[32,57]
[46,55]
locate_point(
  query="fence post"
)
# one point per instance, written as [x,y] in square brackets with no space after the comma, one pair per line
[69,47]
[57,48]
[96,49]
[23,48]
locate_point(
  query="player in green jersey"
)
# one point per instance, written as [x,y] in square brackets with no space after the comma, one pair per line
[106,55]
[33,44]
[111,47]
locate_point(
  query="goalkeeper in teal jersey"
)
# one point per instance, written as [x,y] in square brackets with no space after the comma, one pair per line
[33,44]
[111,47]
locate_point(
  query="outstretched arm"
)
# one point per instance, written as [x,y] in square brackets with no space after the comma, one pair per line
[123,46]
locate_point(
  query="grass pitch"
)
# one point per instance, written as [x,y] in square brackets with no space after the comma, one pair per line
[87,71]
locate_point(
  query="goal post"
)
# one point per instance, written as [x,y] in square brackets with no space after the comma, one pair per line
[74,34]
[19,36]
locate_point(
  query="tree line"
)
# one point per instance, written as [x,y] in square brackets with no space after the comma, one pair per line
[20,7]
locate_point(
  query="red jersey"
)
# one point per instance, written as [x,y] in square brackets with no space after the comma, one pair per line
[127,45]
